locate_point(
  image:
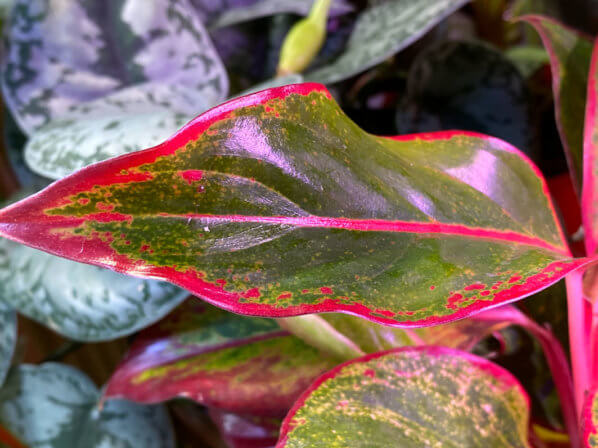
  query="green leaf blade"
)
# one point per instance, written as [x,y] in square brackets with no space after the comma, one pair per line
[428,396]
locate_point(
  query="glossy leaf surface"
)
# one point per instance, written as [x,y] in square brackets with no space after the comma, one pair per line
[468,86]
[81,302]
[8,338]
[55,406]
[240,364]
[590,420]
[382,30]
[570,55]
[429,396]
[118,45]
[241,209]
[241,431]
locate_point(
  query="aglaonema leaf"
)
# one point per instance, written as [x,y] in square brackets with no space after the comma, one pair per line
[242,431]
[382,30]
[411,397]
[570,54]
[8,338]
[276,204]
[239,364]
[54,405]
[590,420]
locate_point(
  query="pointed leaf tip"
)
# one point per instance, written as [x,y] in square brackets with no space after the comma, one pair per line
[276,204]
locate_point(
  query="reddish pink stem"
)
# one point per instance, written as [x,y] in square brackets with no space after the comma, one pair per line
[578,338]
[555,356]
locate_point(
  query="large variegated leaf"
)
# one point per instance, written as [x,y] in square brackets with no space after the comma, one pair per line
[79,301]
[240,364]
[108,47]
[590,420]
[8,338]
[429,397]
[55,406]
[276,204]
[381,31]
[570,55]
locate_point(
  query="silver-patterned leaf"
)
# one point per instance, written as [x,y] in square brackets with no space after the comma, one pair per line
[381,31]
[263,8]
[80,301]
[61,53]
[128,120]
[8,338]
[55,406]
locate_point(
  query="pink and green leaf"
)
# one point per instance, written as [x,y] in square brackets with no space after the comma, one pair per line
[276,204]
[411,397]
[590,420]
[239,364]
[246,431]
[570,54]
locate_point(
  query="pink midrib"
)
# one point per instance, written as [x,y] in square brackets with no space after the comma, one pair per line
[363,225]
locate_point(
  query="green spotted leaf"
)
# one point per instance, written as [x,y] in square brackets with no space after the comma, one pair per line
[570,54]
[55,406]
[239,364]
[122,122]
[81,302]
[381,31]
[263,8]
[8,338]
[590,420]
[276,204]
[430,396]
[109,47]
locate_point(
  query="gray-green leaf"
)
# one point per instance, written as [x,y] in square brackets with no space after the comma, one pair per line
[55,406]
[383,30]
[80,301]
[8,337]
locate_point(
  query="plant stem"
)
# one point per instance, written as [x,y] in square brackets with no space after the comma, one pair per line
[578,338]
[318,333]
[594,347]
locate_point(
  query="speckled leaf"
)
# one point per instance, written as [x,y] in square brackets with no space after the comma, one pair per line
[570,55]
[240,364]
[82,302]
[469,86]
[108,47]
[8,338]
[590,420]
[246,431]
[255,9]
[425,397]
[383,30]
[276,204]
[55,406]
[128,120]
